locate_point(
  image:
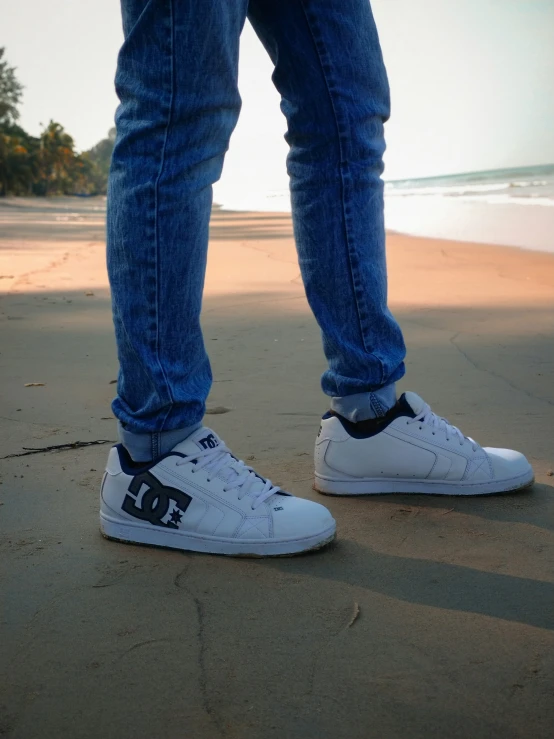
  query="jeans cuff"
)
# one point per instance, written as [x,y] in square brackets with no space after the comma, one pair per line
[362,406]
[148,447]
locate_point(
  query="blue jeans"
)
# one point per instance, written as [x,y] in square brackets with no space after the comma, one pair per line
[177,83]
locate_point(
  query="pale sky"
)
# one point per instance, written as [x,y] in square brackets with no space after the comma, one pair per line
[472,83]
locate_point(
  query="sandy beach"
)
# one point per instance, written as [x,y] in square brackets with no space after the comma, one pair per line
[430,617]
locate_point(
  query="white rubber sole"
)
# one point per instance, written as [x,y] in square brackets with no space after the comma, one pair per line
[131,533]
[386,486]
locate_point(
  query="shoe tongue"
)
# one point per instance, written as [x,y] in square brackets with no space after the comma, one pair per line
[202,439]
[205,438]
[413,401]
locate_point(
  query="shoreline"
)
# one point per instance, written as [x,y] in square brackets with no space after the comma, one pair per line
[528,226]
[514,229]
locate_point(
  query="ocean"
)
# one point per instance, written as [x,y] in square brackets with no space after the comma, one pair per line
[513,207]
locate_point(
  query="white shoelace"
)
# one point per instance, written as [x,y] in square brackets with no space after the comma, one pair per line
[245,481]
[431,419]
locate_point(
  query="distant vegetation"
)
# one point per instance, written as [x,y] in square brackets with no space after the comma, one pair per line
[49,164]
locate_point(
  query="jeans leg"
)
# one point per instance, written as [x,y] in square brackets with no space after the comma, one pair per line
[177,84]
[335,96]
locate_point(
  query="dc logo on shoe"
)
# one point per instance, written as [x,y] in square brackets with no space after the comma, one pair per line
[155,502]
[208,442]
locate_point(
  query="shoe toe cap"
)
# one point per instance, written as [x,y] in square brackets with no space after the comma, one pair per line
[300,518]
[507,463]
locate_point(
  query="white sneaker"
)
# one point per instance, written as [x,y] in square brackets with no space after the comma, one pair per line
[411,450]
[201,498]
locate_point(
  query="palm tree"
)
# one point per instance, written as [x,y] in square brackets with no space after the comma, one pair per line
[56,159]
[18,161]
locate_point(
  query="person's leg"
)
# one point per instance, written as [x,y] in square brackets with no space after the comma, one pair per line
[177,83]
[334,90]
[173,482]
[330,73]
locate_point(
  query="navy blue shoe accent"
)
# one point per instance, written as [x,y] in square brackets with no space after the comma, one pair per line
[374,426]
[130,467]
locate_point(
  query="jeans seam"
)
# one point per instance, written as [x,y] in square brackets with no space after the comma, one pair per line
[156,219]
[155,445]
[343,176]
[377,407]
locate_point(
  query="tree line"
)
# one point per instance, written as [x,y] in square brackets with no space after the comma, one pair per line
[47,164]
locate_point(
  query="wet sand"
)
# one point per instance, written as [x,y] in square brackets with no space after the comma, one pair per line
[430,617]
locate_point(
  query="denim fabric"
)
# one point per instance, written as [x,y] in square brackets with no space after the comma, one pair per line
[145,447]
[177,83]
